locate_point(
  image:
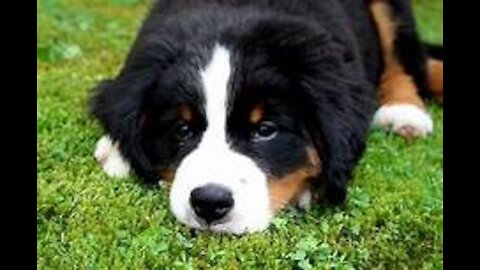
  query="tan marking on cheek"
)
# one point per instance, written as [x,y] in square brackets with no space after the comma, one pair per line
[396,86]
[256,114]
[185,112]
[435,78]
[283,191]
[286,190]
[167,176]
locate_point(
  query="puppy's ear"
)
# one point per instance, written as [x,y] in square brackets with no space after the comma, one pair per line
[339,126]
[117,104]
[340,103]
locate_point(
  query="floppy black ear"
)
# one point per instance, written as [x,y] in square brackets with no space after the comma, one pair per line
[343,111]
[338,106]
[339,123]
[117,105]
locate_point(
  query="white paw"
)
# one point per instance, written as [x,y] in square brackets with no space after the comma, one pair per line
[109,156]
[305,200]
[407,120]
[103,148]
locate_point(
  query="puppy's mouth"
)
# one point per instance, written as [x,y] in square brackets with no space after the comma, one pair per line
[218,226]
[203,225]
[230,224]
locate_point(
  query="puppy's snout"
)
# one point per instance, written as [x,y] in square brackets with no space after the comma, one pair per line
[211,202]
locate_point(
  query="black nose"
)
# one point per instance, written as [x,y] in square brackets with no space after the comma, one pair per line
[211,202]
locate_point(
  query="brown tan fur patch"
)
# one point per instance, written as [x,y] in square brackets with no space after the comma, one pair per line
[185,112]
[396,86]
[168,174]
[435,78]
[256,114]
[286,190]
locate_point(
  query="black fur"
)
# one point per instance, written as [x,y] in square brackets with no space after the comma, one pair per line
[434,51]
[313,63]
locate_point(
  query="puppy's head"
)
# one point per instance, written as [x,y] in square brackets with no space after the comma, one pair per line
[240,124]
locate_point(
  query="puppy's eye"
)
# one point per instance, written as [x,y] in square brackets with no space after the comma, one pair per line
[183,132]
[266,131]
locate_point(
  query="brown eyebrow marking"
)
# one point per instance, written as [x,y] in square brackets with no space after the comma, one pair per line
[185,112]
[256,114]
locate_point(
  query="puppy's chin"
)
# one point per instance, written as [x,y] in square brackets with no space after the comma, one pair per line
[239,226]
[232,225]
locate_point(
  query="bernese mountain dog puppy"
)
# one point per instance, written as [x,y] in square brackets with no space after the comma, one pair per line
[242,107]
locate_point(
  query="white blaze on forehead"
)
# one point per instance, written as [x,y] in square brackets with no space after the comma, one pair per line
[213,161]
[215,79]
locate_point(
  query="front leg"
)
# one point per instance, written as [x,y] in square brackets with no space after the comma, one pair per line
[107,154]
[401,108]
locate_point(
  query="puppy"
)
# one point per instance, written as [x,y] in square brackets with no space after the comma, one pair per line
[243,107]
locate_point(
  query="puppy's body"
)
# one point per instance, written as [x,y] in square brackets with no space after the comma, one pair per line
[246,106]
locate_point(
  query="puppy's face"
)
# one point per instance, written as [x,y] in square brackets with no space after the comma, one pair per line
[238,131]
[233,156]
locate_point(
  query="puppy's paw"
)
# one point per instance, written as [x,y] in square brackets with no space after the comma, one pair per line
[109,157]
[305,200]
[407,120]
[102,149]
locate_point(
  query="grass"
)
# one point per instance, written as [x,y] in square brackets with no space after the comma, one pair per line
[87,221]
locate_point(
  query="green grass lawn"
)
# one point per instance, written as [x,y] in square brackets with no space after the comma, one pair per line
[85,220]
